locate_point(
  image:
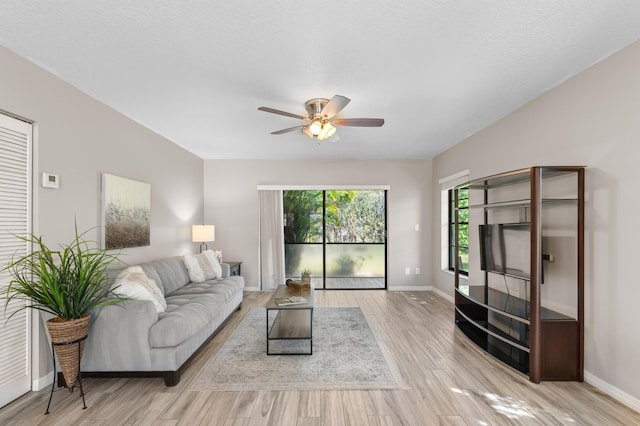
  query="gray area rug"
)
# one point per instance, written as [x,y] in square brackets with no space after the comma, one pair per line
[345,356]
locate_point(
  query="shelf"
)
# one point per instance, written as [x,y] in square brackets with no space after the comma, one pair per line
[502,204]
[505,304]
[518,359]
[514,211]
[517,176]
[292,324]
[494,331]
[513,273]
[524,203]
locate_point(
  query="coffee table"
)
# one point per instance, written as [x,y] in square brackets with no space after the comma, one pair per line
[289,323]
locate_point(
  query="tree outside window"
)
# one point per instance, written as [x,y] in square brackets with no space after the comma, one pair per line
[462,211]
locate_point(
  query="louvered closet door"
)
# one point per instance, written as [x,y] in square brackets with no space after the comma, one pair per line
[15,218]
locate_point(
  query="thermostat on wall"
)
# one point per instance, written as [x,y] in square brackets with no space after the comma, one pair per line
[50,180]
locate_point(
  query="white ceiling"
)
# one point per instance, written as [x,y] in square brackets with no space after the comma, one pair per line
[196,71]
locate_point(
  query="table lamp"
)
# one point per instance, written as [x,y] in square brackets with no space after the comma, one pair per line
[203,234]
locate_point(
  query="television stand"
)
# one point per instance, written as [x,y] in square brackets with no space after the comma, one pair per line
[502,306]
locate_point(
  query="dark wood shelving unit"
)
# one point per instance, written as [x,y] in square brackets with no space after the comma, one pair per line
[507,312]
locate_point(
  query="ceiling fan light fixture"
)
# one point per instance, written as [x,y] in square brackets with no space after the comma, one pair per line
[307,132]
[315,127]
[327,131]
[322,120]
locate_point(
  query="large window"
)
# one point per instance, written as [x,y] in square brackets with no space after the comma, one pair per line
[462,211]
[339,235]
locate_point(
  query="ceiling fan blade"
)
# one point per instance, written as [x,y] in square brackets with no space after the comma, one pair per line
[335,105]
[277,111]
[358,122]
[290,129]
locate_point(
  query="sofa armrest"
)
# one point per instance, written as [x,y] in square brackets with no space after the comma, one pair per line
[119,338]
[226,270]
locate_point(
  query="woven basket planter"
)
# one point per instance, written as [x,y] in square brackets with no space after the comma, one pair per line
[64,331]
[298,286]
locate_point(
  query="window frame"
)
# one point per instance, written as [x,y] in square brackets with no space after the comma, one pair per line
[323,234]
[451,247]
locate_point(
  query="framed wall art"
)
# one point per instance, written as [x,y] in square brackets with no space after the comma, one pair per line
[126,212]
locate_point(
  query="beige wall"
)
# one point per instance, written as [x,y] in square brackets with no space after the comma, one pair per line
[593,120]
[79,138]
[231,204]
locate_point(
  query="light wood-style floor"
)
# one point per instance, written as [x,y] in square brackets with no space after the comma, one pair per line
[350,283]
[448,381]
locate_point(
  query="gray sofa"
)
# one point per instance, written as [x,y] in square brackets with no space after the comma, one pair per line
[134,340]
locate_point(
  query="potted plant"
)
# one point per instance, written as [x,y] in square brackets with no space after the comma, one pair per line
[306,275]
[69,284]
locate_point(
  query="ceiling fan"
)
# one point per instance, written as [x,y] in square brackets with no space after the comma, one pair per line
[321,122]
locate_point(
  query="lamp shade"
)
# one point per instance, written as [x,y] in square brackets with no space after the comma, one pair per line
[203,233]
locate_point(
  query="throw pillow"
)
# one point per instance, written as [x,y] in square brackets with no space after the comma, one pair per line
[215,264]
[203,266]
[133,282]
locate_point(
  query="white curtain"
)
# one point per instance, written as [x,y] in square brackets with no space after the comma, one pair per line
[271,239]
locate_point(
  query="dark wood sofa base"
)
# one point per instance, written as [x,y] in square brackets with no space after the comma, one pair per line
[171,378]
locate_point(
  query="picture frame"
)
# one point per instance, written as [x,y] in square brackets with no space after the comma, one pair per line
[126,212]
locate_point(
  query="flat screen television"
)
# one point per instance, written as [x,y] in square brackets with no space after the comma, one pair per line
[505,249]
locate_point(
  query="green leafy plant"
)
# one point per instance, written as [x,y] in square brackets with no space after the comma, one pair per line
[67,283]
[306,272]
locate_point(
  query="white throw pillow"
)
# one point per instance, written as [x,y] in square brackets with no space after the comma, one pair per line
[203,266]
[133,282]
[210,255]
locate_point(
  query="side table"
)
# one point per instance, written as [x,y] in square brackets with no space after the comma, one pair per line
[234,268]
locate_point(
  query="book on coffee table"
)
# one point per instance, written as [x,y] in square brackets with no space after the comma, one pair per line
[291,300]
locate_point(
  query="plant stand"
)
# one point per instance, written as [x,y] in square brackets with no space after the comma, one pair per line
[53,355]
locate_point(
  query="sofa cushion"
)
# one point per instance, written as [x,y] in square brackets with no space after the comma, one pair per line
[132,282]
[203,266]
[190,308]
[225,287]
[170,274]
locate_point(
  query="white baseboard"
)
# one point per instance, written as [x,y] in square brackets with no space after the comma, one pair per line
[252,289]
[444,295]
[42,382]
[628,400]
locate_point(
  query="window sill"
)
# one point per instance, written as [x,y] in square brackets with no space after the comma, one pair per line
[462,277]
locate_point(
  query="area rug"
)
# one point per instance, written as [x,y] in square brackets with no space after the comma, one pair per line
[345,356]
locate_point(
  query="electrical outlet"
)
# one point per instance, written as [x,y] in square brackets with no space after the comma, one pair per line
[417,271]
[417,227]
[407,270]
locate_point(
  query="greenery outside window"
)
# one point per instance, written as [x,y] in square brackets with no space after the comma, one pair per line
[463,230]
[339,235]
